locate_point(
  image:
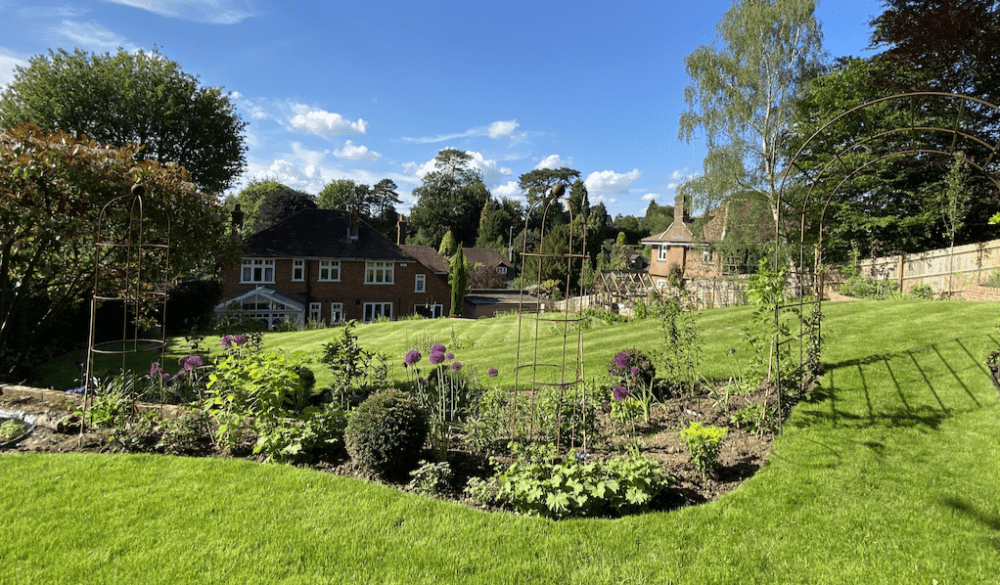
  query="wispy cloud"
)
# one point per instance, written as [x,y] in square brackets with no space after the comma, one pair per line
[498,129]
[610,181]
[93,36]
[207,11]
[8,61]
[323,123]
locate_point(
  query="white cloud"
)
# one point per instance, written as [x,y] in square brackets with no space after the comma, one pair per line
[650,196]
[610,181]
[554,162]
[8,61]
[496,129]
[510,190]
[209,11]
[356,152]
[323,123]
[93,36]
[501,128]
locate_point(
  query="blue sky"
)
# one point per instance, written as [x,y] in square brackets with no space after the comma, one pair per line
[372,90]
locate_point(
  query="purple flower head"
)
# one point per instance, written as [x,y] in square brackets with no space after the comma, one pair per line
[437,357]
[192,362]
[456,366]
[620,393]
[449,356]
[635,370]
[155,369]
[231,341]
[412,357]
[493,373]
[439,348]
[621,360]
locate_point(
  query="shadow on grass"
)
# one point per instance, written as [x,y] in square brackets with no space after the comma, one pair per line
[991,521]
[841,405]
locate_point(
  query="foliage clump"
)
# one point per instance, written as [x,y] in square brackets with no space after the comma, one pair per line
[704,444]
[386,433]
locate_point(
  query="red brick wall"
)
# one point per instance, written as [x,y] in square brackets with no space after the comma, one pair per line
[351,289]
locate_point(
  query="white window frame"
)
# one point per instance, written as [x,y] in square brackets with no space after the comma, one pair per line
[315,312]
[377,272]
[329,271]
[662,255]
[384,309]
[420,283]
[502,270]
[298,270]
[257,271]
[336,313]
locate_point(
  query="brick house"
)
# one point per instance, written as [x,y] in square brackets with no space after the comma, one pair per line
[677,246]
[328,266]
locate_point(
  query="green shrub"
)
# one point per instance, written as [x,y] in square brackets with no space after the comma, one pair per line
[386,433]
[537,482]
[863,287]
[430,478]
[704,444]
[921,292]
[187,434]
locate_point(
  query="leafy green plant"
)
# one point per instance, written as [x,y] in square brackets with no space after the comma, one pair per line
[353,367]
[921,292]
[188,434]
[430,478]
[682,352]
[316,433]
[11,429]
[386,433]
[112,402]
[704,444]
[538,482]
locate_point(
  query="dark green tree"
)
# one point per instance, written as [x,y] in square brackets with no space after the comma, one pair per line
[451,198]
[280,205]
[458,278]
[141,98]
[249,200]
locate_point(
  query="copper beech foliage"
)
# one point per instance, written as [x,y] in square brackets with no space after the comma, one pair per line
[52,189]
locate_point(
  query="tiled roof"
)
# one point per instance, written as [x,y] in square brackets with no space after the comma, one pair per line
[486,257]
[321,233]
[428,257]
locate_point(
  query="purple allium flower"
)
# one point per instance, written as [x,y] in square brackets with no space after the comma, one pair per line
[620,393]
[437,357]
[456,366]
[493,373]
[621,360]
[192,362]
[635,370]
[412,357]
[231,341]
[449,356]
[439,348]
[155,369]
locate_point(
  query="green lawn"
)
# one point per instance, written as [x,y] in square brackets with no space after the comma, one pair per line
[890,475]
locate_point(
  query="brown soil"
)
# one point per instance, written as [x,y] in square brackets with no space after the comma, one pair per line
[743,453]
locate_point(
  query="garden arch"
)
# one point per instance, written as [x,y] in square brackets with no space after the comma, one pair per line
[924,125]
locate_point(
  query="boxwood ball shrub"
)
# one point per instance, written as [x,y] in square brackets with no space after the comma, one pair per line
[386,433]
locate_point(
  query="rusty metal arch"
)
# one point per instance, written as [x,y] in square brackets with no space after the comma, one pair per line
[959,135]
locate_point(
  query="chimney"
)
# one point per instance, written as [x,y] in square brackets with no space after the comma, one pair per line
[237,219]
[680,214]
[352,230]
[401,230]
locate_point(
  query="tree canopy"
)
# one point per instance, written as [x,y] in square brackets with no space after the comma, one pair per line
[742,95]
[279,205]
[451,198]
[52,190]
[142,98]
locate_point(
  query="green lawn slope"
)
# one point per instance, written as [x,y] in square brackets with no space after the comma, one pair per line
[891,474]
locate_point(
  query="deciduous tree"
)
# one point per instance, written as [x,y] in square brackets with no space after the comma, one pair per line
[132,97]
[52,190]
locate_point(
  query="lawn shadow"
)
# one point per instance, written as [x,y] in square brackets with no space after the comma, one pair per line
[991,521]
[832,405]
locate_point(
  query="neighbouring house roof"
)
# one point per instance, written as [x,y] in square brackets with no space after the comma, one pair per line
[428,257]
[321,233]
[486,257]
